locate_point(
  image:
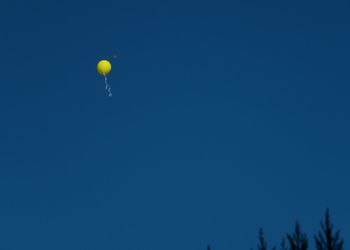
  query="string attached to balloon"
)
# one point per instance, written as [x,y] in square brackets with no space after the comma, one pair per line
[108,87]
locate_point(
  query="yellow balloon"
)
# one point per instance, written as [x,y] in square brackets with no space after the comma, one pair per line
[104,67]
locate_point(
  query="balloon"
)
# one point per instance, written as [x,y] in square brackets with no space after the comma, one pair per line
[104,67]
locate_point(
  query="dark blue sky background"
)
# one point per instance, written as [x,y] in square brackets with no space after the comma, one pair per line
[225,116]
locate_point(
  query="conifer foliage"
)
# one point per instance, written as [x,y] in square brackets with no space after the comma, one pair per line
[326,239]
[297,240]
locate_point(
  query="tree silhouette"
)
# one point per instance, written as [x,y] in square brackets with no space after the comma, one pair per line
[297,240]
[326,239]
[262,245]
[283,244]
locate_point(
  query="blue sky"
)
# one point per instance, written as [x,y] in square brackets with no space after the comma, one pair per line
[226,116]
